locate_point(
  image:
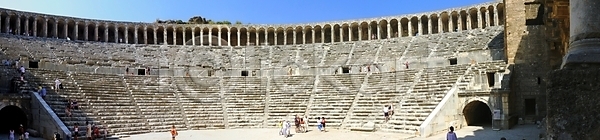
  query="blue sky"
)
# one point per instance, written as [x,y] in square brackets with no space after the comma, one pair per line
[246,11]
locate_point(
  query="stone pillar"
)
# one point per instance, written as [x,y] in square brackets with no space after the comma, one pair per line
[410,28]
[450,24]
[440,25]
[239,38]
[303,37]
[209,37]
[17,30]
[487,18]
[228,38]
[155,35]
[193,36]
[496,19]
[145,35]
[26,26]
[313,36]
[378,31]
[126,32]
[75,32]
[400,29]
[294,37]
[322,35]
[135,35]
[429,26]
[267,38]
[247,38]
[360,33]
[201,36]
[275,39]
[55,30]
[6,24]
[350,33]
[85,33]
[95,37]
[342,34]
[469,22]
[389,30]
[65,32]
[174,36]
[420,26]
[584,37]
[257,39]
[105,34]
[479,20]
[34,30]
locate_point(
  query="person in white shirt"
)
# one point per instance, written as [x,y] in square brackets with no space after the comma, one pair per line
[26,135]
[386,113]
[56,85]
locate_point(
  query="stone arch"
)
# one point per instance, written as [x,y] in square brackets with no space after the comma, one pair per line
[40,26]
[151,36]
[354,28]
[363,31]
[279,37]
[121,33]
[70,29]
[383,29]
[424,24]
[160,35]
[491,13]
[224,36]
[373,32]
[484,17]
[243,37]
[394,28]
[317,35]
[336,33]
[197,33]
[170,35]
[13,21]
[60,30]
[345,32]
[404,26]
[435,27]
[205,32]
[500,9]
[474,18]
[112,32]
[289,36]
[179,35]
[214,35]
[299,35]
[233,33]
[22,27]
[445,22]
[16,116]
[477,112]
[140,35]
[308,31]
[131,34]
[262,35]
[30,25]
[414,25]
[454,19]
[463,20]
[326,35]
[81,34]
[101,32]
[253,36]
[3,16]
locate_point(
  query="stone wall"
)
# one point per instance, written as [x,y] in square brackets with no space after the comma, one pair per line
[45,120]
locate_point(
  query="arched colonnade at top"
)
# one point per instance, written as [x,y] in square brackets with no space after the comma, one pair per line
[249,35]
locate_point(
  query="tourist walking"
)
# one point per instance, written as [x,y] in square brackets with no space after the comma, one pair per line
[386,113]
[451,135]
[173,132]
[11,135]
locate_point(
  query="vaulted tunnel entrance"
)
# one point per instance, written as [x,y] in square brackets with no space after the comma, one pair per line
[11,118]
[477,113]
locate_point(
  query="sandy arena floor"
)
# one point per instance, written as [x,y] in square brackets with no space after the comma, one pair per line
[529,132]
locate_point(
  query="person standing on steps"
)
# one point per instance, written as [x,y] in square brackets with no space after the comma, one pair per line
[173,132]
[451,135]
[386,113]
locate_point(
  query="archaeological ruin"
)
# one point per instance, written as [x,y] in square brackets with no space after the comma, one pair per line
[498,64]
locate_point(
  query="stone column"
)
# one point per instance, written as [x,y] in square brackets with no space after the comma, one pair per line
[332,34]
[17,30]
[26,26]
[257,39]
[209,37]
[479,20]
[410,28]
[145,35]
[201,36]
[450,24]
[389,30]
[303,37]
[322,35]
[228,38]
[584,37]
[126,32]
[420,26]
[469,22]
[247,38]
[378,31]
[65,32]
[350,33]
[275,38]
[294,37]
[34,30]
[55,30]
[6,24]
[193,36]
[267,38]
[360,32]
[95,37]
[496,17]
[135,35]
[429,26]
[174,36]
[85,33]
[342,34]
[400,29]
[313,36]
[440,25]
[75,32]
[154,34]
[487,18]
[239,38]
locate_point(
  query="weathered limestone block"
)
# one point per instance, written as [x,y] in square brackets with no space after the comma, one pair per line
[573,104]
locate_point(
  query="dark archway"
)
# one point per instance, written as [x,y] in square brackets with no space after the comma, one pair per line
[477,113]
[11,117]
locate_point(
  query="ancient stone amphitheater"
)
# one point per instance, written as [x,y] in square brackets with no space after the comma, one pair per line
[437,69]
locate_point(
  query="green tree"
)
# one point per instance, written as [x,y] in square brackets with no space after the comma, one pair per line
[238,22]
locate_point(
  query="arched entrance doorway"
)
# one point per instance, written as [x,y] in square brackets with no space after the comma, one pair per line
[477,113]
[11,118]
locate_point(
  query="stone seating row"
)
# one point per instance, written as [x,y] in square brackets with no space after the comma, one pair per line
[336,54]
[288,96]
[245,101]
[334,97]
[201,102]
[382,89]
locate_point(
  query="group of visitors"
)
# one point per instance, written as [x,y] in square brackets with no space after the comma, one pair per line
[23,135]
[301,124]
